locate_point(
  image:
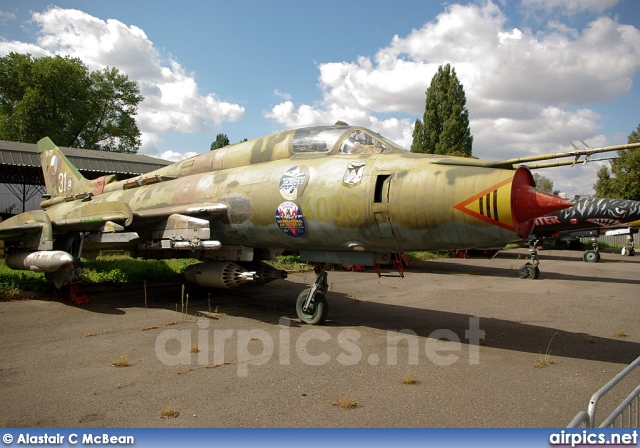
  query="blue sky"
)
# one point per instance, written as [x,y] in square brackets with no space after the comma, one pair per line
[537,74]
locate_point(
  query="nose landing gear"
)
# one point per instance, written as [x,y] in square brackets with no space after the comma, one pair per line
[312,306]
[530,270]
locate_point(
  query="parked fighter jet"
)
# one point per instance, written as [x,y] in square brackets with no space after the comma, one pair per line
[335,194]
[587,217]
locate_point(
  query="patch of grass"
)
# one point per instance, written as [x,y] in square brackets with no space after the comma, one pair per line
[195,349]
[119,267]
[9,290]
[169,412]
[150,327]
[120,361]
[12,283]
[345,402]
[109,266]
[427,256]
[409,378]
[289,263]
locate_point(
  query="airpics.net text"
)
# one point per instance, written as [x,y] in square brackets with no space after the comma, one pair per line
[256,347]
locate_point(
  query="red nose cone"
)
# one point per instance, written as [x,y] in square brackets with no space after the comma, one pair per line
[527,202]
[531,203]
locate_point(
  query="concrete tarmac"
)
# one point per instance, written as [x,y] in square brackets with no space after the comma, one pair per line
[479,347]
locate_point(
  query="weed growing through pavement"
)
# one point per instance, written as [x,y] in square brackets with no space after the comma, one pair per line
[622,333]
[169,412]
[120,361]
[546,359]
[345,402]
[409,378]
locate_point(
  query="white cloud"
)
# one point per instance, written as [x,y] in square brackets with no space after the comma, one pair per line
[8,46]
[176,156]
[527,92]
[285,96]
[7,17]
[570,7]
[172,101]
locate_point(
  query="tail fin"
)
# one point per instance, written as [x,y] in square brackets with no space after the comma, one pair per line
[61,178]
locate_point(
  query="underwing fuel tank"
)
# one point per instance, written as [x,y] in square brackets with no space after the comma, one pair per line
[40,261]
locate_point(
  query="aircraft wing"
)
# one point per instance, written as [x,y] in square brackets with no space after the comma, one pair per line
[24,224]
[516,162]
[86,216]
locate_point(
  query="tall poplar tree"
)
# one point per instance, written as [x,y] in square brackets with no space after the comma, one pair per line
[444,128]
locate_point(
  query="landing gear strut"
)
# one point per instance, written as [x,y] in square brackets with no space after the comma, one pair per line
[531,270]
[592,256]
[628,250]
[69,280]
[312,306]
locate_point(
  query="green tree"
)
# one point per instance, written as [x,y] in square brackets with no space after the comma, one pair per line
[221,141]
[59,98]
[543,183]
[623,180]
[444,128]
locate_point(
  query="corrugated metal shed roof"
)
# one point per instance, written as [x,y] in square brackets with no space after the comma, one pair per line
[26,155]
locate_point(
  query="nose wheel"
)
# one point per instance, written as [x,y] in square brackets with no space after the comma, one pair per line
[530,270]
[311,306]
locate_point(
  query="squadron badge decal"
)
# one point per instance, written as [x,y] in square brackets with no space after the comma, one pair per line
[291,182]
[353,175]
[290,220]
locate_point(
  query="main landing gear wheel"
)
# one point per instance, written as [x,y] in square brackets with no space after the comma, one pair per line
[529,271]
[626,252]
[317,309]
[591,256]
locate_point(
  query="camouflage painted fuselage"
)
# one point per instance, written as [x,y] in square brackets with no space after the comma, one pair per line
[332,194]
[278,196]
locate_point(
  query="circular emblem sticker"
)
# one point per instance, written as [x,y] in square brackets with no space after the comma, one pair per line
[290,220]
[53,165]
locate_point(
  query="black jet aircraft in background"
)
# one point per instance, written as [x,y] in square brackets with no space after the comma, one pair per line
[588,217]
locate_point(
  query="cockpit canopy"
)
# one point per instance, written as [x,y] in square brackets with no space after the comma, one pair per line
[348,139]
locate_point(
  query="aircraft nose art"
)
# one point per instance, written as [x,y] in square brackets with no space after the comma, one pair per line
[512,203]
